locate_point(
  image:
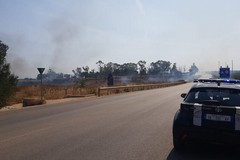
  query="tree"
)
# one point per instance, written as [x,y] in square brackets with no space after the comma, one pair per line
[128,69]
[142,67]
[116,69]
[174,68]
[67,76]
[159,67]
[175,72]
[51,75]
[100,63]
[92,73]
[85,72]
[193,69]
[77,72]
[108,68]
[8,81]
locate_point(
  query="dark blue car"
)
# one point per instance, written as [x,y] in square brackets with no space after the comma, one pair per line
[210,112]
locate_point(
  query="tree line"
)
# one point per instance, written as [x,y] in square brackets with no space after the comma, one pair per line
[140,68]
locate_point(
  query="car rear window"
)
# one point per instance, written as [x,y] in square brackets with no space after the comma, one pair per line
[221,96]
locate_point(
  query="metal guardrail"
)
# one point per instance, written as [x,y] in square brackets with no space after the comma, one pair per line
[119,89]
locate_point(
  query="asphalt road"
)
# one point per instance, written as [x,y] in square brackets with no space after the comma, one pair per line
[132,126]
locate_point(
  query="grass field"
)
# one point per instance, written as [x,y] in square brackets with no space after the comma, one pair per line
[49,92]
[52,92]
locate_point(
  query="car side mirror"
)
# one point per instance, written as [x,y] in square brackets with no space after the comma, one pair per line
[183,95]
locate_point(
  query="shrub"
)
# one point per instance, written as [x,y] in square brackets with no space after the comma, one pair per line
[8,81]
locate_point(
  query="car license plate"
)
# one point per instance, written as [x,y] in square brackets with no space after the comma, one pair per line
[214,117]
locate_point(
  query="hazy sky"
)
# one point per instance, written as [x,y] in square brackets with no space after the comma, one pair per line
[66,34]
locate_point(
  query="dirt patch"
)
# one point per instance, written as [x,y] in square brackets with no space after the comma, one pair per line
[20,105]
[12,107]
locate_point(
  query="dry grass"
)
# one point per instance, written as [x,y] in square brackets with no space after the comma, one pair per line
[52,92]
[49,92]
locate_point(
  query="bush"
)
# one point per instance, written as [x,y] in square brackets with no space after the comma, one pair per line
[8,81]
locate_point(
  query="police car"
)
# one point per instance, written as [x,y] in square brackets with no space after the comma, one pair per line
[210,112]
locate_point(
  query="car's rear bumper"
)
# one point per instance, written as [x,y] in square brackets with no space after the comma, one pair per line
[203,134]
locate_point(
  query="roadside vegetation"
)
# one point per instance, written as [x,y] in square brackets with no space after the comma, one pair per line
[157,71]
[85,81]
[8,81]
